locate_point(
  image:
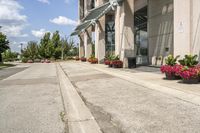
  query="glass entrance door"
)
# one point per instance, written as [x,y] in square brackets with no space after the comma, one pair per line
[141,36]
[110,34]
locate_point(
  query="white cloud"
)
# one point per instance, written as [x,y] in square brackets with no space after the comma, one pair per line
[39,33]
[61,20]
[11,20]
[44,1]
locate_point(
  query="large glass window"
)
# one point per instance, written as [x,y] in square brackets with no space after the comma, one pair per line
[92,4]
[110,34]
[141,36]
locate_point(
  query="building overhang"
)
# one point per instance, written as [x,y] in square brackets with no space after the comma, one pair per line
[94,15]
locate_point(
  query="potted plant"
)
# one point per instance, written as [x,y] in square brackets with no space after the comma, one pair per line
[171,69]
[92,56]
[94,61]
[111,59]
[83,59]
[117,64]
[190,75]
[77,58]
[191,71]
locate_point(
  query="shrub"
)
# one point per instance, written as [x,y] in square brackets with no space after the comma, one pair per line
[37,60]
[30,61]
[24,60]
[189,61]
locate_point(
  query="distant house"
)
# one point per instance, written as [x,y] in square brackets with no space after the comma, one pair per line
[146,29]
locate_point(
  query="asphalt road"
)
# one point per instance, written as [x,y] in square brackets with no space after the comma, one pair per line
[30,100]
[6,72]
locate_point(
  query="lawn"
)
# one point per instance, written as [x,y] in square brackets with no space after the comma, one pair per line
[5,65]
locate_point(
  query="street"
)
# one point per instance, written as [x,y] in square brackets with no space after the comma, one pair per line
[30,101]
[40,98]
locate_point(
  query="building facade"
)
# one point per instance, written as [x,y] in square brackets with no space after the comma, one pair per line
[146,29]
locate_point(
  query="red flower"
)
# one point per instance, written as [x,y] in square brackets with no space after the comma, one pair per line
[190,73]
[176,69]
[107,62]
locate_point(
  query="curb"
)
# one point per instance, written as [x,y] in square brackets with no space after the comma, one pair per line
[192,98]
[79,118]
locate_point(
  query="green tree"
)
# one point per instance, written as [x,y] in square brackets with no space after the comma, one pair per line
[4,44]
[57,45]
[56,39]
[31,51]
[8,55]
[46,49]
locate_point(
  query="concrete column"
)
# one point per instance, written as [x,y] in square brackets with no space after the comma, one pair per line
[117,31]
[127,31]
[182,34]
[81,46]
[100,36]
[88,43]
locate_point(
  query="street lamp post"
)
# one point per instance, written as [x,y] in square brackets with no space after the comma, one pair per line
[21,44]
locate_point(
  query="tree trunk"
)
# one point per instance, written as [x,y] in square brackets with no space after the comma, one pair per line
[1,60]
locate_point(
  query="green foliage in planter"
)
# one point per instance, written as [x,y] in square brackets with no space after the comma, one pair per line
[170,60]
[113,57]
[189,60]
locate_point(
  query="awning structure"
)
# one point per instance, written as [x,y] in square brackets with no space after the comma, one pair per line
[94,14]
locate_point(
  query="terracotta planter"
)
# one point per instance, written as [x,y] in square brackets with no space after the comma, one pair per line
[94,62]
[172,76]
[191,81]
[106,62]
[117,65]
[83,59]
[110,65]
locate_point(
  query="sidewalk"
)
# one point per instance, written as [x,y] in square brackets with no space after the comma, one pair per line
[128,102]
[155,81]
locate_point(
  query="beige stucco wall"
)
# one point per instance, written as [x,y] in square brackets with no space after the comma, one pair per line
[195,27]
[160,28]
[182,27]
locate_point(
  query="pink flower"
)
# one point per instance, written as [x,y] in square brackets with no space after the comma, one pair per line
[190,73]
[176,69]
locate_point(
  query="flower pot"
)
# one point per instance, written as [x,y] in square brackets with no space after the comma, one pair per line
[106,62]
[191,81]
[172,76]
[110,65]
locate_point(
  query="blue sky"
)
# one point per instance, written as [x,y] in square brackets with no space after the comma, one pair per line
[27,20]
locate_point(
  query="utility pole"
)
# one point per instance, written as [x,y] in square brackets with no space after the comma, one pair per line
[21,44]
[62,55]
